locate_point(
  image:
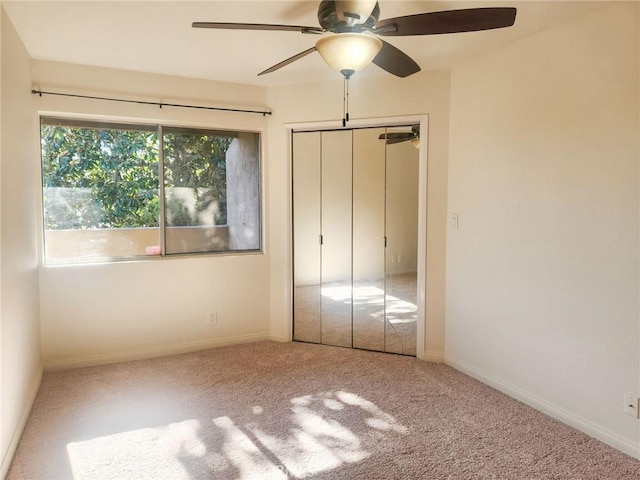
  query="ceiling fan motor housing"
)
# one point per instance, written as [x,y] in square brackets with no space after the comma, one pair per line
[328,19]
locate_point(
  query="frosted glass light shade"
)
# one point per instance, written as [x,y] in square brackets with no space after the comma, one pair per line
[348,52]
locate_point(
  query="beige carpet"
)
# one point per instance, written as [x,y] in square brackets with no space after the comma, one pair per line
[278,411]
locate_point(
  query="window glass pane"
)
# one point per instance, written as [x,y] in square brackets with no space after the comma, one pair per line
[100,191]
[212,197]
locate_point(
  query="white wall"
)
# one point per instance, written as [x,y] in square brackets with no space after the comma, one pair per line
[108,312]
[381,96]
[542,275]
[19,325]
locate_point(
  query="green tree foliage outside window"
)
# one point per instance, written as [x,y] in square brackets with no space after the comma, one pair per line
[103,177]
[99,178]
[197,160]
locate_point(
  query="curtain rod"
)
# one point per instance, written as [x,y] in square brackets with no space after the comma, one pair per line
[142,102]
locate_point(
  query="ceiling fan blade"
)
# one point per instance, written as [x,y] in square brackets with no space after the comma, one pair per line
[257,26]
[393,141]
[395,61]
[288,61]
[449,21]
[396,136]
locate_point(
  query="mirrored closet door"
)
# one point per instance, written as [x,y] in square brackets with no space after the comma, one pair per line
[355,217]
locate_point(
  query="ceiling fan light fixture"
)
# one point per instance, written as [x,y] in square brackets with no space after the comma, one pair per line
[348,52]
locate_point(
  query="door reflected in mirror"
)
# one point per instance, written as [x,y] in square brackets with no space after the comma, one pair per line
[401,256]
[306,235]
[336,238]
[368,239]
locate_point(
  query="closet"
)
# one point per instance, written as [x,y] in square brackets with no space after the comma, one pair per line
[355,229]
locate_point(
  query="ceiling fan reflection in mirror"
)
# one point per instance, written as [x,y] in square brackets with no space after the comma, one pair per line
[392,138]
[355,28]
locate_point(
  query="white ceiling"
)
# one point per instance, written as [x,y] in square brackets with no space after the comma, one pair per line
[156,36]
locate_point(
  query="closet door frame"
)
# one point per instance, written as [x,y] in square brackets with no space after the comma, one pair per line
[423,120]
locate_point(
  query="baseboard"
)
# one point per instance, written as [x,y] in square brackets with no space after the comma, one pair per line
[279,338]
[17,433]
[153,352]
[432,356]
[593,430]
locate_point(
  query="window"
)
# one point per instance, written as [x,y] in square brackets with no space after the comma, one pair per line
[114,191]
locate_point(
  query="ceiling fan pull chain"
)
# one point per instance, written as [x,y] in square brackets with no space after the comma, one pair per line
[347,101]
[345,97]
[344,101]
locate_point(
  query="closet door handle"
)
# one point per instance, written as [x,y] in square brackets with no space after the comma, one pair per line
[385,242]
[321,239]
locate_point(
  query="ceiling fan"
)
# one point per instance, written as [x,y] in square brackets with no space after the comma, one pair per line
[397,137]
[355,28]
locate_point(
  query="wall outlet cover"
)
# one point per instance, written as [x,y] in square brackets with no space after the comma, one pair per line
[631,405]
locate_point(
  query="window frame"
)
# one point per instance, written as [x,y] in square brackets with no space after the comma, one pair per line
[157,127]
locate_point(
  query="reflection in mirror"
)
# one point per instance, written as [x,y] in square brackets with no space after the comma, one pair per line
[306,237]
[336,234]
[368,239]
[355,190]
[401,260]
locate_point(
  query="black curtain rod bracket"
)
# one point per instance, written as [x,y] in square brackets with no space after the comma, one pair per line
[158,104]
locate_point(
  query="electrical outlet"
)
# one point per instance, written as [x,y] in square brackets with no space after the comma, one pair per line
[212,318]
[631,405]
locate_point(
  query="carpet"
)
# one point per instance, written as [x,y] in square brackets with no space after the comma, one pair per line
[292,411]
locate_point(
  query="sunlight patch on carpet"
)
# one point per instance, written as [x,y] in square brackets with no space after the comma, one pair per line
[244,454]
[138,453]
[319,434]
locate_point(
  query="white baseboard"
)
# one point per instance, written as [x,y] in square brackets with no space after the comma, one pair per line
[593,430]
[432,356]
[279,338]
[152,352]
[17,433]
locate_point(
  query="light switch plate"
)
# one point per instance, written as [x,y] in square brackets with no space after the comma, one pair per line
[453,221]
